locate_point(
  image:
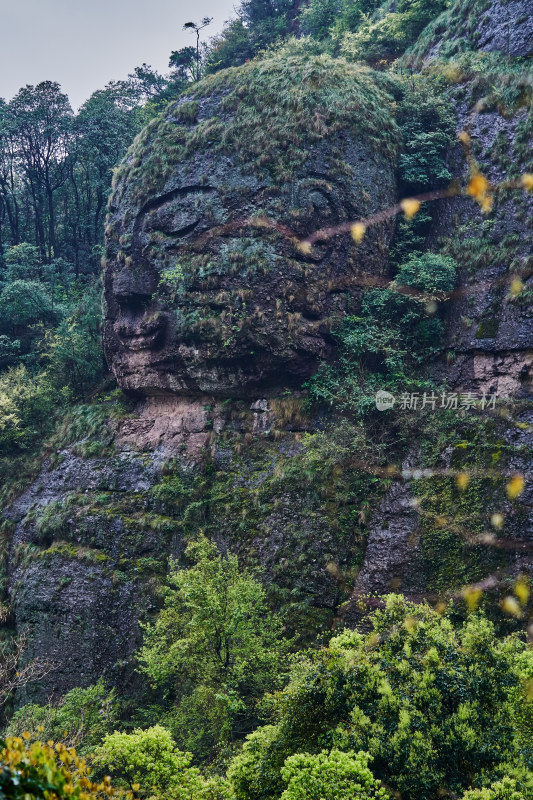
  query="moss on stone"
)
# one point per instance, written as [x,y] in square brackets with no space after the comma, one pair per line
[269,113]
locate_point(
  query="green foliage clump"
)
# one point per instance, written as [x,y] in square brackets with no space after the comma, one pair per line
[322,19]
[26,408]
[43,771]
[391,30]
[396,331]
[439,709]
[329,776]
[259,24]
[74,349]
[50,345]
[215,648]
[81,718]
[148,763]
[505,789]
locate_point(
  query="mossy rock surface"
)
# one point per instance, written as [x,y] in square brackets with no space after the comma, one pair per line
[207,289]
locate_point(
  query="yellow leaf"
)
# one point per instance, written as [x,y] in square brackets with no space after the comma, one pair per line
[410,624]
[527,181]
[521,590]
[410,207]
[358,231]
[516,287]
[464,137]
[26,735]
[462,480]
[304,247]
[515,487]
[510,606]
[486,203]
[472,597]
[497,521]
[478,186]
[136,787]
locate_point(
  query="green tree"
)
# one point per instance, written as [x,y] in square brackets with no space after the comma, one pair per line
[27,403]
[329,18]
[24,303]
[103,128]
[42,126]
[388,32]
[74,349]
[438,708]
[259,24]
[215,647]
[148,762]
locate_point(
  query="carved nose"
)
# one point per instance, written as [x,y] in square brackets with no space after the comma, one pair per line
[134,286]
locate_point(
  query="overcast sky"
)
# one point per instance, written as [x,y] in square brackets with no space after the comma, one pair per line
[84,44]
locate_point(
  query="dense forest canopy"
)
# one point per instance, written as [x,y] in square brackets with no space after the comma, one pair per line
[221,619]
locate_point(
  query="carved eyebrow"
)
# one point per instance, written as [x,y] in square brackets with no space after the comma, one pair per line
[182,191]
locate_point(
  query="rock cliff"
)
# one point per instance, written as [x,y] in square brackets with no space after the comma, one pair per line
[213,319]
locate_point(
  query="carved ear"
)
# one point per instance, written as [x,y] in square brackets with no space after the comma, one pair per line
[316,204]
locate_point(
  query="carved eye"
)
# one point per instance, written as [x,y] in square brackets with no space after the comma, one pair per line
[177,213]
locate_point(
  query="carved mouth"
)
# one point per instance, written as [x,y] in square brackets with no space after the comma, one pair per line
[144,336]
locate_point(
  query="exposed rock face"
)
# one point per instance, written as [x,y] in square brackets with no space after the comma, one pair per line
[93,534]
[490,324]
[502,26]
[490,330]
[80,613]
[199,297]
[507,26]
[202,306]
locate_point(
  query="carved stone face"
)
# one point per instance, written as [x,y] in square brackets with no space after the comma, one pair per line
[202,298]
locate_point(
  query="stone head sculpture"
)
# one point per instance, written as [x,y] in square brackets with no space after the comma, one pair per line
[206,289]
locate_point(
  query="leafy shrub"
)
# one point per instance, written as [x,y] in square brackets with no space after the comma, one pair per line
[388,33]
[430,273]
[148,762]
[46,771]
[26,407]
[74,349]
[25,254]
[393,333]
[329,776]
[24,303]
[259,24]
[505,789]
[329,18]
[80,719]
